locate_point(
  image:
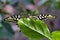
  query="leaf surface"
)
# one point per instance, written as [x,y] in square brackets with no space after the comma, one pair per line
[34,28]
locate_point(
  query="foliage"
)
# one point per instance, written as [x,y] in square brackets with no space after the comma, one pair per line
[37,29]
[34,28]
[56,35]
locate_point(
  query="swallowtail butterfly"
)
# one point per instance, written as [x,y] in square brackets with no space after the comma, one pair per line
[15,18]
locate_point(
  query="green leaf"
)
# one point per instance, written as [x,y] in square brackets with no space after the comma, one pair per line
[56,35]
[34,28]
[33,39]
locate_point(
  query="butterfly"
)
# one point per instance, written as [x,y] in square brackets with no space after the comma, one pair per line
[15,18]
